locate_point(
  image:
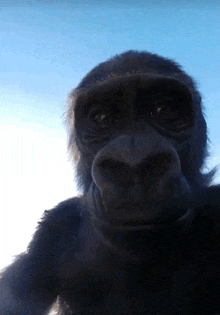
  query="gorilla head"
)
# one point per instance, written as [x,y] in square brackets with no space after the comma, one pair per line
[136,124]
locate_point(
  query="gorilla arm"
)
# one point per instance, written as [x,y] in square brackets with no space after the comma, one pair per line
[30,285]
[21,291]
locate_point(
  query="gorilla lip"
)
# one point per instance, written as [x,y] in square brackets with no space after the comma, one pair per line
[141,224]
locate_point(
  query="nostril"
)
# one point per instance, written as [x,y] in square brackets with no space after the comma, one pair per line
[157,164]
[150,161]
[159,159]
[109,163]
[155,161]
[113,169]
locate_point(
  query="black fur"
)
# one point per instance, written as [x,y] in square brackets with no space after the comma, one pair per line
[144,236]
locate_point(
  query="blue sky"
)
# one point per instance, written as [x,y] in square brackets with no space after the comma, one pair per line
[46,47]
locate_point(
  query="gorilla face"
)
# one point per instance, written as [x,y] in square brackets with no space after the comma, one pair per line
[131,134]
[136,124]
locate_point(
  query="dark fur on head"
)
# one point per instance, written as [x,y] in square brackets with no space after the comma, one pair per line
[124,67]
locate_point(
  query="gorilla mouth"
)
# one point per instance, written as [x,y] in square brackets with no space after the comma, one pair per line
[142,224]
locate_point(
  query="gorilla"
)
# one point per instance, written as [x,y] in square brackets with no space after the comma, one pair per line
[144,235]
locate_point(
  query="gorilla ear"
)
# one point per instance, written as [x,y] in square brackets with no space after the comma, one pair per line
[69,118]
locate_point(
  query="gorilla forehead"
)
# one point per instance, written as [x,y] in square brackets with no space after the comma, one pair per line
[132,63]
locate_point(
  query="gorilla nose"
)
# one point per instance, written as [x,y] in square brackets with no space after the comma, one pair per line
[129,161]
[109,170]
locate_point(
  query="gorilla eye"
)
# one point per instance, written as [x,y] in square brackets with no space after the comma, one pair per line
[167,104]
[99,118]
[163,112]
[169,115]
[103,118]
